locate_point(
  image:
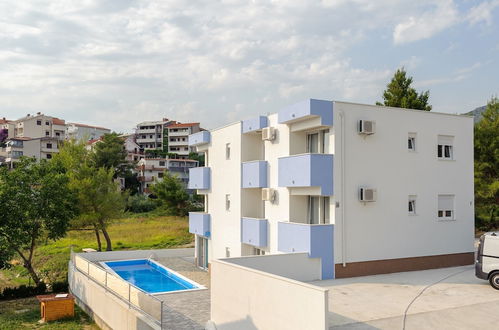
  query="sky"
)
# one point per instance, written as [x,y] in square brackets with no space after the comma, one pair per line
[115,63]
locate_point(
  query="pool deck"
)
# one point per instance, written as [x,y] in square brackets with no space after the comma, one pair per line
[186,309]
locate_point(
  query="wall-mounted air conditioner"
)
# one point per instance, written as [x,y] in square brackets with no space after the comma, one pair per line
[367,127]
[268,133]
[367,194]
[269,194]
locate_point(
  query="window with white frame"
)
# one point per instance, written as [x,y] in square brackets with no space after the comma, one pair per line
[318,142]
[445,147]
[445,207]
[258,252]
[227,202]
[411,206]
[227,151]
[411,142]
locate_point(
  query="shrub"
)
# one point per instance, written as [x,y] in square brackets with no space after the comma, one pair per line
[60,287]
[23,291]
[140,204]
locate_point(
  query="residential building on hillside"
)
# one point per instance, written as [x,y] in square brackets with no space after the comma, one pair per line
[8,125]
[149,135]
[40,126]
[151,170]
[178,136]
[40,148]
[132,148]
[365,189]
[85,132]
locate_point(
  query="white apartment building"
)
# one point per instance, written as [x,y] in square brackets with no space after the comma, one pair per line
[85,132]
[40,148]
[151,170]
[149,135]
[178,137]
[40,126]
[366,189]
[8,125]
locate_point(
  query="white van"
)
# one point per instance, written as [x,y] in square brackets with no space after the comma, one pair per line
[487,259]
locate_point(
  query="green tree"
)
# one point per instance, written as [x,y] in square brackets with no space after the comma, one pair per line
[400,94]
[99,197]
[197,156]
[171,192]
[487,167]
[111,154]
[37,204]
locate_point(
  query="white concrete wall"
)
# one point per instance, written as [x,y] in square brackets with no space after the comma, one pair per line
[107,309]
[244,298]
[384,229]
[225,179]
[295,266]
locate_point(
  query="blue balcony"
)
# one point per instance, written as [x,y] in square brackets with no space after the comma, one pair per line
[255,124]
[309,109]
[254,231]
[199,223]
[199,138]
[199,178]
[254,174]
[307,170]
[316,240]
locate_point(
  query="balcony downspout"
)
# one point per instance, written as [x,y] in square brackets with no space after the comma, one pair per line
[343,204]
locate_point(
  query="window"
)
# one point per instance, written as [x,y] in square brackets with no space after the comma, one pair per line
[227,151]
[318,210]
[445,207]
[57,134]
[411,209]
[150,136]
[49,145]
[39,122]
[161,163]
[445,147]
[318,142]
[227,202]
[47,133]
[47,123]
[49,156]
[411,142]
[160,175]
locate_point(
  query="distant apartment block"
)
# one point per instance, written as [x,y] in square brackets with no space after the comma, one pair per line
[8,126]
[364,189]
[85,132]
[165,135]
[151,171]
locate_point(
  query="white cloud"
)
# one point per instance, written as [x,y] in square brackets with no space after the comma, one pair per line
[442,15]
[482,12]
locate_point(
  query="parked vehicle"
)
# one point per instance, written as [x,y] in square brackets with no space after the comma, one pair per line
[487,259]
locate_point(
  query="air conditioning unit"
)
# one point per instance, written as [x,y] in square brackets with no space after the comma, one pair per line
[367,194]
[268,133]
[367,127]
[268,194]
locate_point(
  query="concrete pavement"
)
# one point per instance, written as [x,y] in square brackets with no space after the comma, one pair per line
[448,298]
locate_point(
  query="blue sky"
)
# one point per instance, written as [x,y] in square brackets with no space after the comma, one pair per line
[115,63]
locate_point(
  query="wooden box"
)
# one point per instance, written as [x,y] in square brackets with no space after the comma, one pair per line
[55,308]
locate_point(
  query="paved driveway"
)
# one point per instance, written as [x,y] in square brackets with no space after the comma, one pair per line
[449,298]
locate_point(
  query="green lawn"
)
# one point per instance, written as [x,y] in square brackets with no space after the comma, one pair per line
[137,232]
[25,314]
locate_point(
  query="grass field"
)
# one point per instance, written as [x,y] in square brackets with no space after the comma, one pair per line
[137,232]
[25,314]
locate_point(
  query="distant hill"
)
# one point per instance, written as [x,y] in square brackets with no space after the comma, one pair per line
[477,113]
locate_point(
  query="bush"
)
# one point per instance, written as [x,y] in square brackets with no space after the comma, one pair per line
[23,291]
[58,287]
[140,204]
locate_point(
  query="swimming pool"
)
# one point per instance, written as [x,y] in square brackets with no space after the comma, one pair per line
[151,277]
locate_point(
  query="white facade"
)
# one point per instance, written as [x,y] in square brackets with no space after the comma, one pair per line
[178,136]
[420,165]
[85,132]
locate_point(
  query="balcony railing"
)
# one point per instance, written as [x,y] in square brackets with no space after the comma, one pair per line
[254,231]
[254,124]
[307,170]
[199,178]
[316,240]
[199,223]
[317,112]
[254,174]
[199,138]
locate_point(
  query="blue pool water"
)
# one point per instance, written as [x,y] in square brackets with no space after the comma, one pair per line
[149,276]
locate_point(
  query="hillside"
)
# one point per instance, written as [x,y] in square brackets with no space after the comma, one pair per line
[477,113]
